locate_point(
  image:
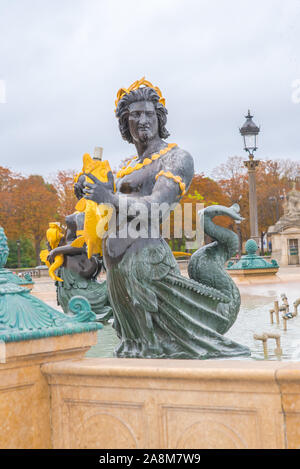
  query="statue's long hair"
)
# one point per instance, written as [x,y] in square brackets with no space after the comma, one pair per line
[141,94]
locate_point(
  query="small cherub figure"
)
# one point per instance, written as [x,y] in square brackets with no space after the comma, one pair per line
[54,237]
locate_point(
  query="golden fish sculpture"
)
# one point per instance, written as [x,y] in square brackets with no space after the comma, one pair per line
[97,216]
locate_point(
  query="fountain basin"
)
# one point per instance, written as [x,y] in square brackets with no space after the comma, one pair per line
[253,272]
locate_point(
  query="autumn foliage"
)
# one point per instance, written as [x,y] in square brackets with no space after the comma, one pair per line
[63,183]
[28,204]
[274,178]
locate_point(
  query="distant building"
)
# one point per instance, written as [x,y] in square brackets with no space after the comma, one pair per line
[285,234]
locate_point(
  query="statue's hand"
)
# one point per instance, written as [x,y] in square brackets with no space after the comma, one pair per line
[100,192]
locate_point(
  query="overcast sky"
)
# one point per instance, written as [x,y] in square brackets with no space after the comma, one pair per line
[63,62]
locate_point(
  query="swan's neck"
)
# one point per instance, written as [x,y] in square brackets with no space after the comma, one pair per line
[227,239]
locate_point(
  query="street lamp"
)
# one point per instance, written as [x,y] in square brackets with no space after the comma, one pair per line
[249,132]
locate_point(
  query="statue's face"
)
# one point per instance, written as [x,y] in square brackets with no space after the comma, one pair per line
[142,121]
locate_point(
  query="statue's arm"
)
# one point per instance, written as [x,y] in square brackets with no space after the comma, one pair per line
[166,189]
[66,250]
[174,179]
[171,181]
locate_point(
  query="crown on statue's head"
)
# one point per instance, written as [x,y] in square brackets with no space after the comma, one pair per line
[136,85]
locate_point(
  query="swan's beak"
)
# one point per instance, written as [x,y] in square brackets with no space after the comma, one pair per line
[236,217]
[216,210]
[235,213]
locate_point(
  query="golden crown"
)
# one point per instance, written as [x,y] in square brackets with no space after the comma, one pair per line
[137,84]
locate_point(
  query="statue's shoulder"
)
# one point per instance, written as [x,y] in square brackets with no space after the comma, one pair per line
[71,218]
[181,163]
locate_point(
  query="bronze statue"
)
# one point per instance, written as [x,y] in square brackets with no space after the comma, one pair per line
[157,312]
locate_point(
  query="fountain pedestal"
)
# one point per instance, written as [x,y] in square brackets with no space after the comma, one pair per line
[25,420]
[251,264]
[32,334]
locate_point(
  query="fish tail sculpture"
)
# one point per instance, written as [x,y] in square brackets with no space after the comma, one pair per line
[206,265]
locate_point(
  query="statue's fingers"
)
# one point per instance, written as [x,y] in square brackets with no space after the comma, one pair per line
[92,177]
[89,184]
[110,177]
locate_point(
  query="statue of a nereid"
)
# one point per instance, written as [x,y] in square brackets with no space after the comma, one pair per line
[158,313]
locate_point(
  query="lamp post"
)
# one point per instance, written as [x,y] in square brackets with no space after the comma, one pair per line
[249,132]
